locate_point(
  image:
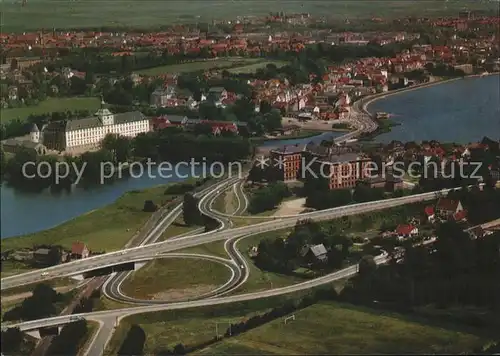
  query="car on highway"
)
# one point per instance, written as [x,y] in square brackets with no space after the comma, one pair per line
[75,318]
[123,252]
[242,266]
[45,274]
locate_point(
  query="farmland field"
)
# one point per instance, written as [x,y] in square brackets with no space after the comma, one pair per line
[146,13]
[48,106]
[330,328]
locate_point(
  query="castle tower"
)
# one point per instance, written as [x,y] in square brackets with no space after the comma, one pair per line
[104,115]
[35,134]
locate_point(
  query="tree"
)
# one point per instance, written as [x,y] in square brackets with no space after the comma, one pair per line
[3,162]
[367,265]
[191,212]
[11,341]
[68,341]
[54,256]
[179,349]
[134,342]
[149,206]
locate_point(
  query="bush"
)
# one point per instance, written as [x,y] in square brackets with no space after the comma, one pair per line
[134,342]
[149,206]
[11,340]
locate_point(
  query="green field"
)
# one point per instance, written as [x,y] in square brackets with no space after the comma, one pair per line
[85,13]
[175,278]
[192,326]
[202,65]
[215,248]
[48,106]
[331,328]
[108,228]
[253,67]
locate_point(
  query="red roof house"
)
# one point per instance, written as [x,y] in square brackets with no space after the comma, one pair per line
[79,250]
[447,208]
[406,230]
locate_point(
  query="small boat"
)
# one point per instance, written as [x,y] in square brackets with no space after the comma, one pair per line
[381,115]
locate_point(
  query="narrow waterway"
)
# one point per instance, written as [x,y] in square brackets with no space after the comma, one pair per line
[23,213]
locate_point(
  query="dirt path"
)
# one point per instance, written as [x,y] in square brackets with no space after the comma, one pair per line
[291,207]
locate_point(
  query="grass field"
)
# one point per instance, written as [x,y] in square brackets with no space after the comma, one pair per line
[108,228]
[189,326]
[253,67]
[203,65]
[177,228]
[175,278]
[48,106]
[330,328]
[213,248]
[54,283]
[120,13]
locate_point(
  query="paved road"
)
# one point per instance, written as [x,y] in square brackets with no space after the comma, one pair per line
[118,313]
[109,259]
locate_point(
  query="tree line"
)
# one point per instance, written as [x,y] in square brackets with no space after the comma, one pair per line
[454,271]
[286,255]
[168,145]
[268,197]
[41,304]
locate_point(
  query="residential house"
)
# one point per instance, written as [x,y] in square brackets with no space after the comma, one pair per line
[79,250]
[12,92]
[42,256]
[160,97]
[404,231]
[217,93]
[429,213]
[449,209]
[45,256]
[388,182]
[315,254]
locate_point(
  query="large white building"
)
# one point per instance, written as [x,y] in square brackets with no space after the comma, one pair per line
[79,135]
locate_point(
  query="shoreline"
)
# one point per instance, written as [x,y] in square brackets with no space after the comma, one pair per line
[373,98]
[360,107]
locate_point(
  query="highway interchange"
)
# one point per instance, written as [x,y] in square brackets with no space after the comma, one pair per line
[150,249]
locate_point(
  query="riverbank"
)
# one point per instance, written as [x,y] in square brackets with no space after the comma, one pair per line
[301,134]
[370,127]
[105,229]
[373,98]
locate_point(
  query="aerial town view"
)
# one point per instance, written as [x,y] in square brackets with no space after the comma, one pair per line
[229,177]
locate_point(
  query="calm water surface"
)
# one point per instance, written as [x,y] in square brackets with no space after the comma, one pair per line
[462,111]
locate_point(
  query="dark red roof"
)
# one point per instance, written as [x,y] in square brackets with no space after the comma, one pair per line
[78,247]
[429,210]
[447,204]
[404,229]
[462,214]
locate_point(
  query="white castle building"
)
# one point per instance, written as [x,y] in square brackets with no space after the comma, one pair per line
[79,135]
[86,134]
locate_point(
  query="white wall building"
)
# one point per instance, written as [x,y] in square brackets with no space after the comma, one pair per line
[80,135]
